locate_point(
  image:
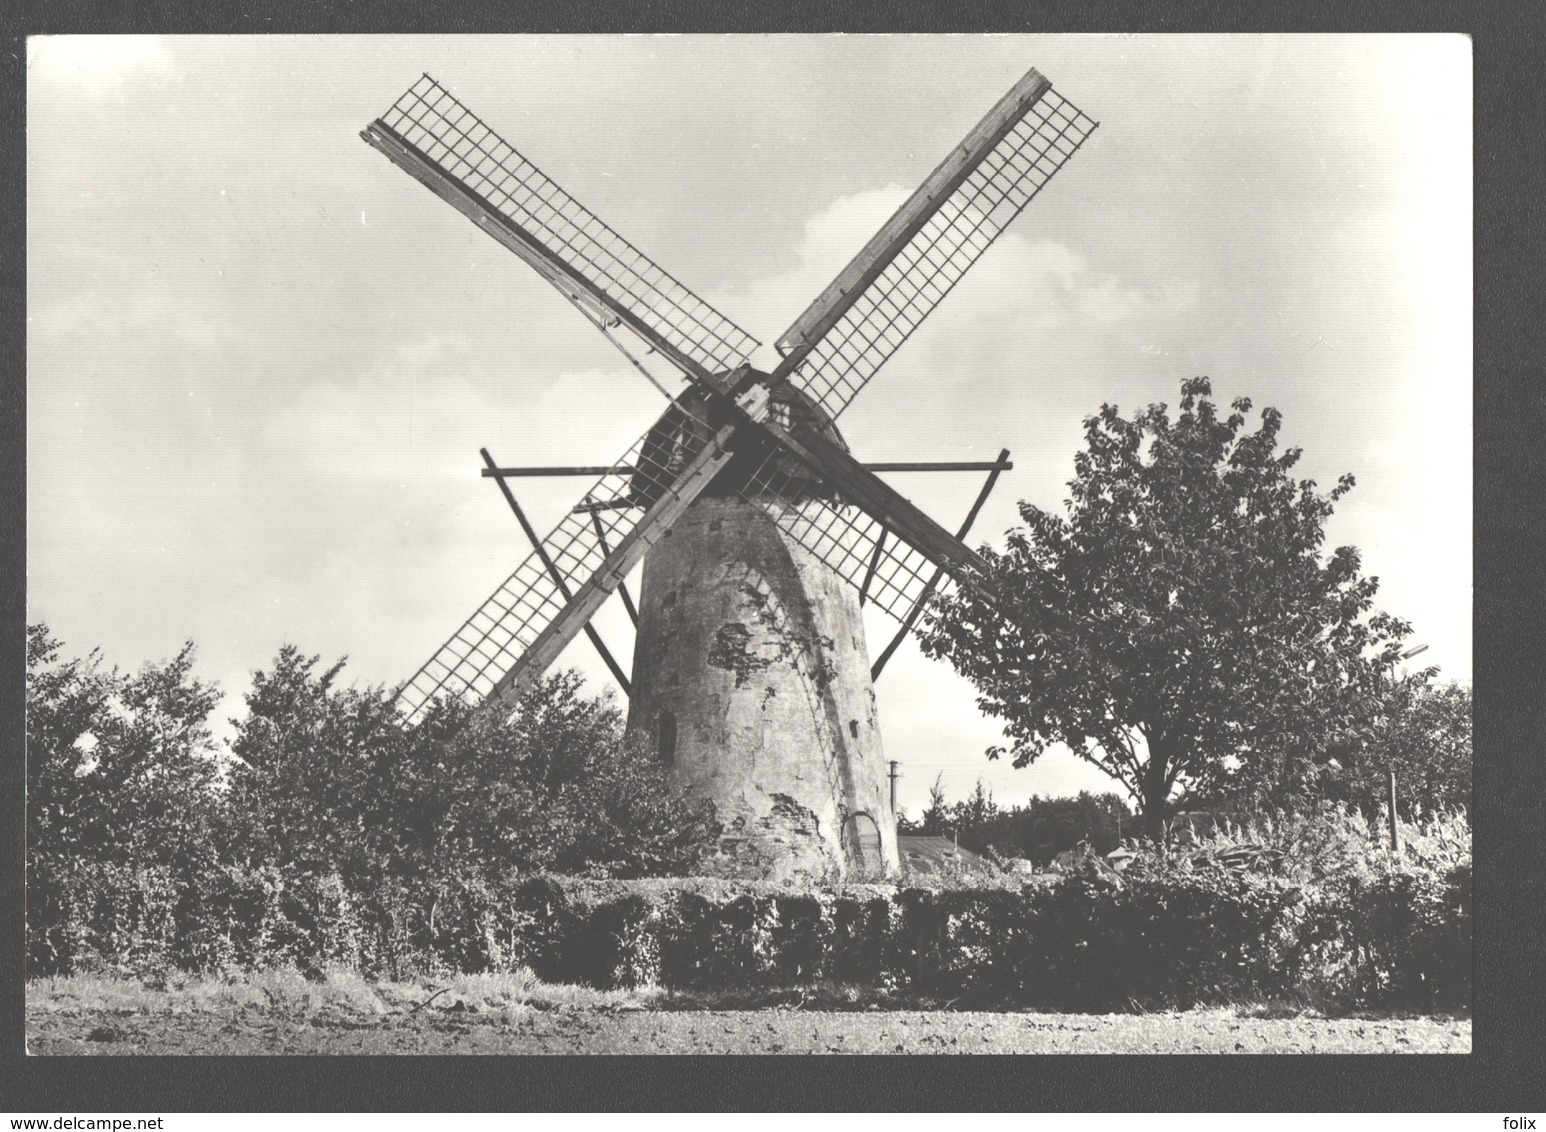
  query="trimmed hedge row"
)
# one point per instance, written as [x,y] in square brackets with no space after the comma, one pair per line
[1178,939]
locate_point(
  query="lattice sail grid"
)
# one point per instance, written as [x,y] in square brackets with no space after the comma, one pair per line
[938,255]
[471,663]
[891,573]
[454,139]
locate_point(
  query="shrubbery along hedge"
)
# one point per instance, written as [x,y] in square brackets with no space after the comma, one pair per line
[330,836]
[1170,939]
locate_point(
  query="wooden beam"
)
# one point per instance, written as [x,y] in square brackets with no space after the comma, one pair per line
[796,342]
[650,529]
[869,574]
[882,502]
[621,504]
[622,587]
[568,470]
[558,578]
[912,616]
[946,466]
[627,470]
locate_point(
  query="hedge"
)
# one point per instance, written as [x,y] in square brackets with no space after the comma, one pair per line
[1080,942]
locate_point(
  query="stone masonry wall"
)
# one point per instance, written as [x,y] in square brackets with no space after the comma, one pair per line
[751,675]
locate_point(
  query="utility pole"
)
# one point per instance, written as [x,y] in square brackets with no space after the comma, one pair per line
[893,776]
[1395,830]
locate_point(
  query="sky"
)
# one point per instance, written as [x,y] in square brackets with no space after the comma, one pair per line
[261,360]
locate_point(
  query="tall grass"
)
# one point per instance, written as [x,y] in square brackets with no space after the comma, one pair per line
[1318,846]
[288,990]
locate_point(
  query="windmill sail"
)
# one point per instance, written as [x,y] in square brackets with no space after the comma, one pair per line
[872,307]
[878,561]
[442,143]
[895,555]
[839,343]
[527,620]
[894,575]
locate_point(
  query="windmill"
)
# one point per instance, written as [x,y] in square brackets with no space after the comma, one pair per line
[760,534]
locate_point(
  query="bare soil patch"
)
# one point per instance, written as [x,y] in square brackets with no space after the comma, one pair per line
[283,1014]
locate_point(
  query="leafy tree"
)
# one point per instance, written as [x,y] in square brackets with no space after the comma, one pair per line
[330,779]
[556,786]
[1180,618]
[1045,827]
[319,782]
[940,817]
[935,818]
[977,809]
[1422,731]
[1427,740]
[67,703]
[1037,830]
[119,768]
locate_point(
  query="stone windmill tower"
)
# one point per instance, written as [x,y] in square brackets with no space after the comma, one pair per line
[761,535]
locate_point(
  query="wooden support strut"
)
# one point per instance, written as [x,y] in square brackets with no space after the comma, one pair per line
[558,578]
[912,616]
[628,470]
[622,587]
[651,527]
[869,574]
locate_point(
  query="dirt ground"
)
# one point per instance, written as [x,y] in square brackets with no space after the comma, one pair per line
[55,1028]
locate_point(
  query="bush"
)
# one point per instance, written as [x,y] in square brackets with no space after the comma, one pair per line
[1401,939]
[1372,927]
[1171,936]
[330,779]
[101,917]
[348,841]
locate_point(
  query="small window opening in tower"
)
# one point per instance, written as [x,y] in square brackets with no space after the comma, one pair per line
[853,728]
[681,440]
[665,739]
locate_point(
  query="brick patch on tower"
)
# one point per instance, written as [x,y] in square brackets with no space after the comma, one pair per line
[729,651]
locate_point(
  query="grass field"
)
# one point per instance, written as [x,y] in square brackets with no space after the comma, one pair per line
[283,1013]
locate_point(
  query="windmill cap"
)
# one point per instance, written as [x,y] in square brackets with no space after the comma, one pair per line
[757,465]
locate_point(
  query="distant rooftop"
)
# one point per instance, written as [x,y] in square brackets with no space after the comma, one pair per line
[929,853]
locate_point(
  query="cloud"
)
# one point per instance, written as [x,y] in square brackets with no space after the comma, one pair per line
[420,411]
[381,498]
[831,238]
[198,321]
[1019,287]
[965,383]
[250,418]
[1044,279]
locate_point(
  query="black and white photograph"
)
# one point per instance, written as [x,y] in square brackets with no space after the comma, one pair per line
[748,544]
